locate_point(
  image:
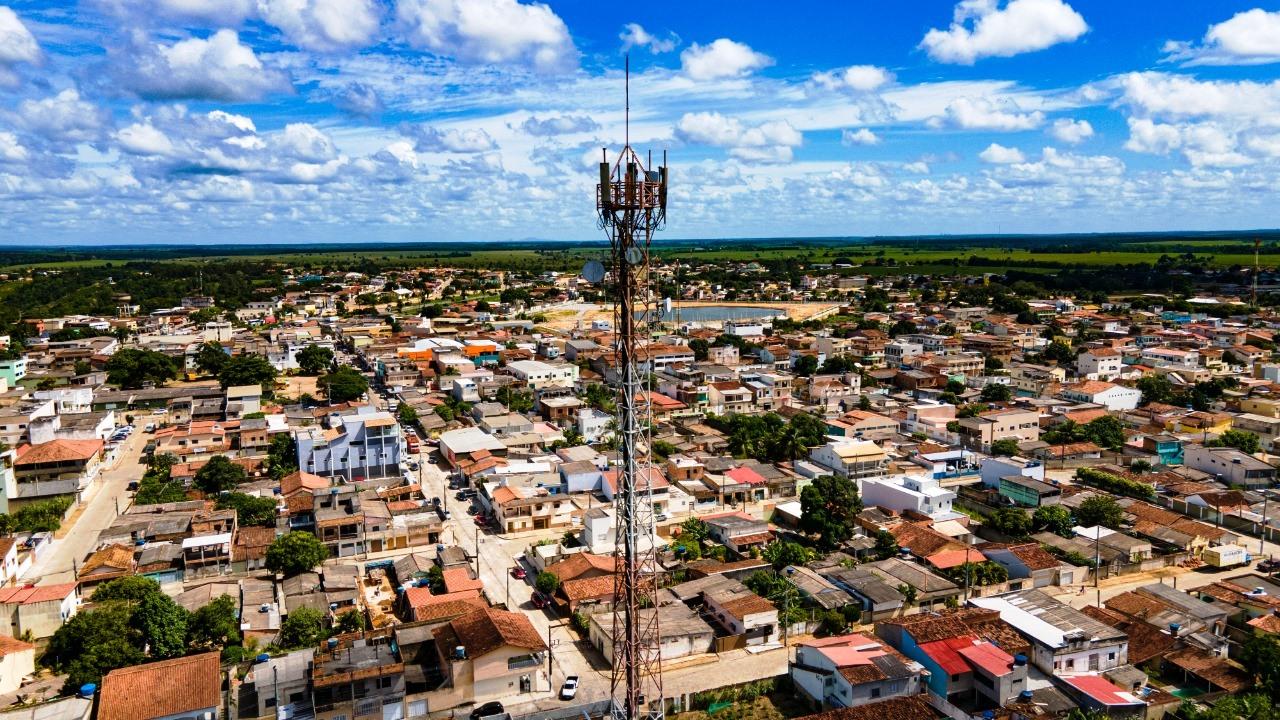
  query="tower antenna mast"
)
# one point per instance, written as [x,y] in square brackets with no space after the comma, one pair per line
[631,201]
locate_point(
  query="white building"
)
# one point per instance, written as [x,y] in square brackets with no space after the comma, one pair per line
[362,446]
[910,492]
[1064,641]
[537,374]
[593,425]
[994,468]
[854,459]
[1099,364]
[1100,392]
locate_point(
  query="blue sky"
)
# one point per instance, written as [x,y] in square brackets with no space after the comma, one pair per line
[250,121]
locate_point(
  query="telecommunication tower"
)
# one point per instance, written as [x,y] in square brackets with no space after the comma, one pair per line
[631,200]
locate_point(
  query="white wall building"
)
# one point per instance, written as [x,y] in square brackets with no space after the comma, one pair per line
[537,374]
[910,492]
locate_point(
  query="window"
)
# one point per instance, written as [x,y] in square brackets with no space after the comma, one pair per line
[875,692]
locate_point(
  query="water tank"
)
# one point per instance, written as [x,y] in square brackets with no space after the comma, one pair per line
[1019,660]
[460,652]
[88,689]
[1174,628]
[988,715]
[904,551]
[263,657]
[333,643]
[1025,696]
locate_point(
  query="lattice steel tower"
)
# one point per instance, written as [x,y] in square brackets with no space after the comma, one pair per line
[632,203]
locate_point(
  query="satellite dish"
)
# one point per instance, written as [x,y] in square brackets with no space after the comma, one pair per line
[634,255]
[593,272]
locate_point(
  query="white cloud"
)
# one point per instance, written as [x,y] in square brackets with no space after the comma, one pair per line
[861,136]
[65,117]
[359,99]
[634,35]
[985,114]
[430,139]
[324,25]
[1071,131]
[558,125]
[305,142]
[219,67]
[723,58]
[858,78]
[11,149]
[770,142]
[1154,93]
[1204,144]
[212,12]
[1250,37]
[17,45]
[1001,155]
[489,31]
[144,139]
[981,28]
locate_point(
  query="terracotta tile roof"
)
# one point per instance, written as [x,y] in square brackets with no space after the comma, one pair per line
[252,543]
[9,645]
[117,557]
[1135,605]
[1209,668]
[58,451]
[910,707]
[448,610]
[161,689]
[578,564]
[922,540]
[293,482]
[1267,623]
[752,604]
[1034,556]
[483,631]
[459,579]
[417,597]
[504,495]
[588,588]
[38,594]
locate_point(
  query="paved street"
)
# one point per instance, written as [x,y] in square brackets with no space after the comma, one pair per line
[57,563]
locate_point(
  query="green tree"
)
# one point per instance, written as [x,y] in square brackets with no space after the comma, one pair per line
[215,625]
[314,359]
[829,507]
[886,544]
[1054,518]
[407,414]
[1107,432]
[295,552]
[1011,522]
[248,369]
[131,588]
[700,348]
[1260,655]
[516,399]
[134,367]
[349,622]
[302,628]
[93,643]
[996,392]
[282,455]
[805,365]
[783,553]
[1242,440]
[546,583]
[344,384]
[251,510]
[600,397]
[1100,510]
[1006,447]
[163,623]
[695,529]
[218,475]
[211,358]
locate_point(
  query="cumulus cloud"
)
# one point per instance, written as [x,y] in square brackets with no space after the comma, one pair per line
[324,25]
[219,67]
[65,117]
[858,78]
[17,45]
[1000,155]
[431,139]
[985,114]
[721,59]
[981,28]
[1251,37]
[11,149]
[558,125]
[1071,131]
[144,139]
[861,136]
[489,31]
[216,13]
[633,35]
[358,99]
[1155,93]
[768,142]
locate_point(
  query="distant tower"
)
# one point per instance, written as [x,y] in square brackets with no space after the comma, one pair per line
[1254,295]
[632,203]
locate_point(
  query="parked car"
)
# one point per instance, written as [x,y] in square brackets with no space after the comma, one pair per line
[151,427]
[132,486]
[488,709]
[539,600]
[570,688]
[480,519]
[518,572]
[1269,566]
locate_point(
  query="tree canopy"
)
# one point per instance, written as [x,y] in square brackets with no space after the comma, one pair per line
[135,367]
[314,359]
[344,384]
[1100,510]
[829,507]
[219,475]
[211,358]
[248,369]
[295,552]
[302,628]
[251,510]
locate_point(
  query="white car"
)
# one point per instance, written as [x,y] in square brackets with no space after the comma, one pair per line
[570,688]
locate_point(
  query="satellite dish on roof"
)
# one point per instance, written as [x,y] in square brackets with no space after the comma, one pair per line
[593,271]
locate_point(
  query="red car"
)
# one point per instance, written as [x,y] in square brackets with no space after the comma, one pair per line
[518,572]
[480,519]
[539,600]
